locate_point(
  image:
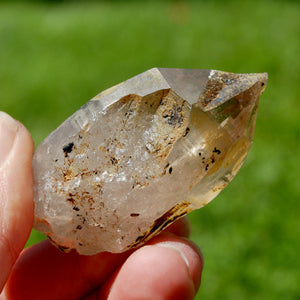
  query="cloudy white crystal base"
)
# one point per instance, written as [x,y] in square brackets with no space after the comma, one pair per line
[141,155]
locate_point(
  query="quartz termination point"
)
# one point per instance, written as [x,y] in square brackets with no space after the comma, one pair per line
[142,154]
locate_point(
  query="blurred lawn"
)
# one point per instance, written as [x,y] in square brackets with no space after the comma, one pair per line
[53,58]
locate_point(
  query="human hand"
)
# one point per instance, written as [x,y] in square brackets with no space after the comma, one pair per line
[167,267]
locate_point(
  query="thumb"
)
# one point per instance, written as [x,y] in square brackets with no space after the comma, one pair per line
[16,192]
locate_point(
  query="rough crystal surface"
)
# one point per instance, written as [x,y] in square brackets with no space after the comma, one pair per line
[142,154]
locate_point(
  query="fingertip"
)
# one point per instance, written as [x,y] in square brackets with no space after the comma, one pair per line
[14,138]
[153,273]
[16,191]
[190,252]
[19,212]
[167,267]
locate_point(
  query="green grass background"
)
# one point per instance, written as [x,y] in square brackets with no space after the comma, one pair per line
[55,56]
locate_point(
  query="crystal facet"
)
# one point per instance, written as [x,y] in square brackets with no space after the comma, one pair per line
[142,154]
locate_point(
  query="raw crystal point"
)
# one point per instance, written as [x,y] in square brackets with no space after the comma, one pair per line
[142,154]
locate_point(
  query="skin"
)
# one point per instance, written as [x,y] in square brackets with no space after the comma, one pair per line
[167,267]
